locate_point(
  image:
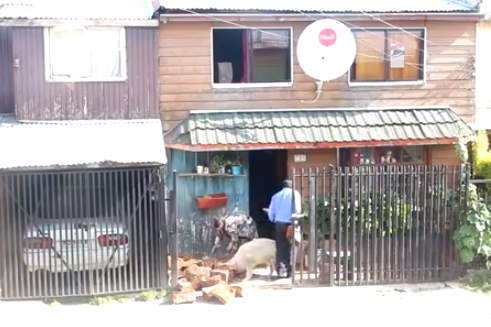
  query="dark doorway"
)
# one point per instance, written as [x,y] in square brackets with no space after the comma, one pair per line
[267,169]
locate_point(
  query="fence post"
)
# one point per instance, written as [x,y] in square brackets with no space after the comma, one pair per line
[334,181]
[3,245]
[173,232]
[163,278]
[313,223]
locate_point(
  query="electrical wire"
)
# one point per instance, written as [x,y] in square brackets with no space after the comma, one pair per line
[386,38]
[384,57]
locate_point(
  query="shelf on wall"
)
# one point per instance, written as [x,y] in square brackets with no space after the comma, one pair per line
[210,175]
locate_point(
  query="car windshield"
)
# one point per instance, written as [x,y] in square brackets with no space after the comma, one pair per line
[71,200]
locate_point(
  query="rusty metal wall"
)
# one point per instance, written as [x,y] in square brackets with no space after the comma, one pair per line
[6,71]
[136,98]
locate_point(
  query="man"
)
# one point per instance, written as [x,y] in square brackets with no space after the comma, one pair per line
[280,212]
[236,227]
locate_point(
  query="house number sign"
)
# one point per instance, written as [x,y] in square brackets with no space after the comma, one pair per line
[299,158]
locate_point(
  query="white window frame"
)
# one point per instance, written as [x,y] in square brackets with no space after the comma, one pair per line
[395,83]
[252,85]
[48,36]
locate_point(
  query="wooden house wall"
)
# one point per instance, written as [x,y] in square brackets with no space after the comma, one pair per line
[135,98]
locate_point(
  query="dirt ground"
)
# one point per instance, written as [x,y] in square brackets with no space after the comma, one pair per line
[398,305]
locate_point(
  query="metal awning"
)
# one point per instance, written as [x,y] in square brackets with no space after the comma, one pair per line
[316,128]
[58,144]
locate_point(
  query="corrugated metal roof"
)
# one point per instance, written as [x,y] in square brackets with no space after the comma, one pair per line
[78,9]
[80,143]
[327,6]
[317,126]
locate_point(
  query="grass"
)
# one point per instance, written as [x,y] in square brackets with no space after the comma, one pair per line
[478,282]
[101,300]
[54,304]
[108,299]
[152,296]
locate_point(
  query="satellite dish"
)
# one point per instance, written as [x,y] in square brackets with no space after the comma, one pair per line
[326,49]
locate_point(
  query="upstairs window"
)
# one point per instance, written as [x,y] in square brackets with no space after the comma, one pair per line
[86,54]
[389,55]
[252,57]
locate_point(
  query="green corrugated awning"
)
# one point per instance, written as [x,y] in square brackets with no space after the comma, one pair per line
[310,128]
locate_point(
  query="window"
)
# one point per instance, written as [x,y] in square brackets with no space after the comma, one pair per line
[389,56]
[90,53]
[250,56]
[411,155]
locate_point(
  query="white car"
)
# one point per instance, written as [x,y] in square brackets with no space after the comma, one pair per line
[62,245]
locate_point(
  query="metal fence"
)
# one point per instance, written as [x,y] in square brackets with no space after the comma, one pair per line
[378,224]
[82,232]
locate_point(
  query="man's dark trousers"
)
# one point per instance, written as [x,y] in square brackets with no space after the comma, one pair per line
[283,250]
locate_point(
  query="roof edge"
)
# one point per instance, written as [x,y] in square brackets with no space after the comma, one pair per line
[101,165]
[91,122]
[27,22]
[278,16]
[443,107]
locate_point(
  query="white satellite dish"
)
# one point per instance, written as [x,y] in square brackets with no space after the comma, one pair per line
[326,49]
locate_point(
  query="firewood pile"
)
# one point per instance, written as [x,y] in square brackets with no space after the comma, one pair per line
[210,276]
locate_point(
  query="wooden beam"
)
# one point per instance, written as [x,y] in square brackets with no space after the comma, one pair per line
[320,145]
[75,22]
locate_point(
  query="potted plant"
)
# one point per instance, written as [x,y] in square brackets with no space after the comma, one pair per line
[217,165]
[236,167]
[210,201]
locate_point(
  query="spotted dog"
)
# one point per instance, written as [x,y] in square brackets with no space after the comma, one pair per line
[237,227]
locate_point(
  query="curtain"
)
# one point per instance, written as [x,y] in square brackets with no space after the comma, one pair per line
[376,56]
[91,52]
[370,60]
[104,58]
[60,53]
[245,52]
[412,54]
[79,49]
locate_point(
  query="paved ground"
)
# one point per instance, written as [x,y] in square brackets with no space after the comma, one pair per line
[401,305]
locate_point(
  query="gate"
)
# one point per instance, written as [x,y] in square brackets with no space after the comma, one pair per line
[378,224]
[84,232]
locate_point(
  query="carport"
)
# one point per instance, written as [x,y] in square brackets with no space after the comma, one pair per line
[81,208]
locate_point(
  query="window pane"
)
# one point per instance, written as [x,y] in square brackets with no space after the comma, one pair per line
[104,52]
[270,39]
[405,56]
[389,155]
[270,56]
[79,54]
[270,65]
[413,154]
[363,156]
[370,61]
[60,53]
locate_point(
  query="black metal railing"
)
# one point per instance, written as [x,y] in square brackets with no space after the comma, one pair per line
[86,232]
[378,224]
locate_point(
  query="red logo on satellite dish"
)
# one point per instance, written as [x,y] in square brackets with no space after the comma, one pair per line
[327,37]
